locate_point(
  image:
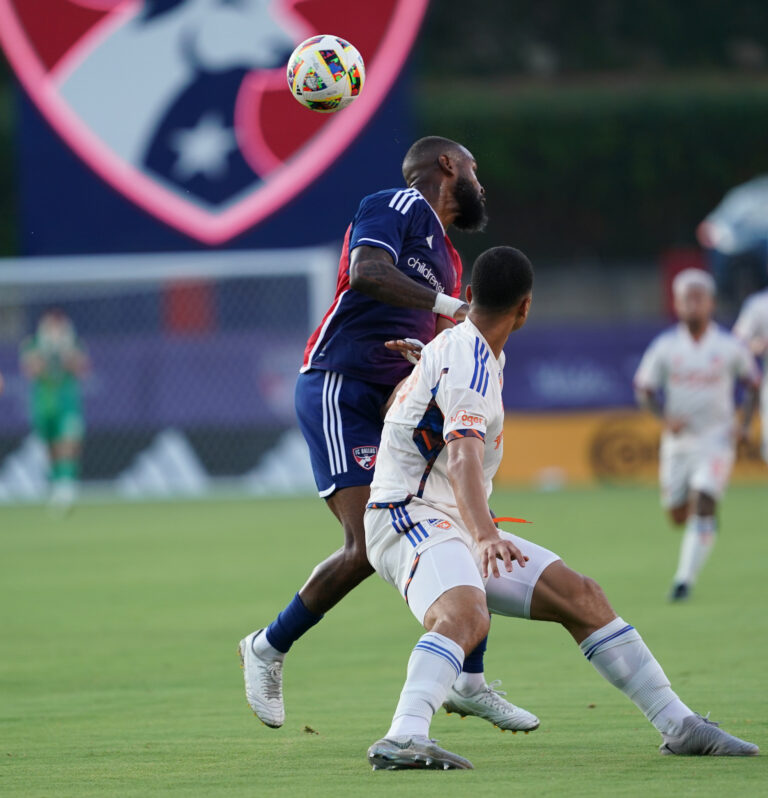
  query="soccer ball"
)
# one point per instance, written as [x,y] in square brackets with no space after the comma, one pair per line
[325,73]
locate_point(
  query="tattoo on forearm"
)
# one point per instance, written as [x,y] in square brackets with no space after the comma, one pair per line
[383,282]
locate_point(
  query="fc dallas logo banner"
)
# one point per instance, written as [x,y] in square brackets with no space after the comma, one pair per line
[183,106]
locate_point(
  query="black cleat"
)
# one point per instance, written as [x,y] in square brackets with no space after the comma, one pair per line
[680,592]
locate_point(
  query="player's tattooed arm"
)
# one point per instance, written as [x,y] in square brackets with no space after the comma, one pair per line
[373,272]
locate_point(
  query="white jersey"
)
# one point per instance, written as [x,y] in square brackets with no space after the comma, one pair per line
[753,323]
[697,377]
[454,392]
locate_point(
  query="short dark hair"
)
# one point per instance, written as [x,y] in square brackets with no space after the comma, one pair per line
[501,277]
[425,151]
[153,8]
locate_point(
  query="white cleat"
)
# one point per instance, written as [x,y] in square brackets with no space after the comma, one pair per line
[263,683]
[703,737]
[491,706]
[414,753]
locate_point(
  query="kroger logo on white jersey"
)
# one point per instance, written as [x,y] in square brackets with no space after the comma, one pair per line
[467,419]
[426,272]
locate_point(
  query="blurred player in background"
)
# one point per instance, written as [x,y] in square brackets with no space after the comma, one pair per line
[54,361]
[752,327]
[430,534]
[399,277]
[696,365]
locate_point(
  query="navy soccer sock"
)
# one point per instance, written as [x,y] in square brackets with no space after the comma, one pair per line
[290,625]
[472,677]
[473,662]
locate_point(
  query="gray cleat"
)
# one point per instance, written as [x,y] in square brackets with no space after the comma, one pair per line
[703,737]
[407,753]
[490,705]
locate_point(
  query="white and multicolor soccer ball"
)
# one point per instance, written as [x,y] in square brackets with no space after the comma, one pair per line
[326,73]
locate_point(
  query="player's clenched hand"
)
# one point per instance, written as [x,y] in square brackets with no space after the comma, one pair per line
[491,551]
[409,348]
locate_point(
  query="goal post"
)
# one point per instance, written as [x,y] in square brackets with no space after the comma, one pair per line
[194,358]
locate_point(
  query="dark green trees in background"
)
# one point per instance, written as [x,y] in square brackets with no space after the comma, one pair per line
[605,128]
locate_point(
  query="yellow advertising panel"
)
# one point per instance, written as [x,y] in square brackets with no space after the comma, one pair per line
[551,450]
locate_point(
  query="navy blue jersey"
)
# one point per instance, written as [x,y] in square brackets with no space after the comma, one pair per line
[350,338]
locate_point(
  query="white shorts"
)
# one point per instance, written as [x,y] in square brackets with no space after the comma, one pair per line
[438,554]
[703,465]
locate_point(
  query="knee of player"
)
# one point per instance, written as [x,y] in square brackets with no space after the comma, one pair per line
[477,622]
[679,515]
[482,624]
[467,623]
[703,504]
[356,557]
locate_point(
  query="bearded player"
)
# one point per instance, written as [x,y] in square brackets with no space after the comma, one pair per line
[430,534]
[399,277]
[696,365]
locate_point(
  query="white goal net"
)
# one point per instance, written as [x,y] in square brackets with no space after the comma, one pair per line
[193,362]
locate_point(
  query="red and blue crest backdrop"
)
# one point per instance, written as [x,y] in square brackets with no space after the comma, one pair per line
[167,124]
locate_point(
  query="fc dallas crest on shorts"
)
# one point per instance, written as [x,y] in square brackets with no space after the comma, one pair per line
[183,105]
[365,456]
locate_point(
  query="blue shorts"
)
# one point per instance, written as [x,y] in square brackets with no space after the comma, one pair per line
[340,418]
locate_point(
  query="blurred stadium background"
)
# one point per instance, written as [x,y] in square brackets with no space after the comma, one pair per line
[605,133]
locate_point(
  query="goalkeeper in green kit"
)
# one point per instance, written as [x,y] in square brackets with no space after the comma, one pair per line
[54,362]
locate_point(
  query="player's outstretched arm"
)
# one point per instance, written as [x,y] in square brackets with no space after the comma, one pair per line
[373,272]
[465,467]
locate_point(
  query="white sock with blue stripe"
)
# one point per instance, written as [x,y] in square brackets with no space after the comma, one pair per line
[619,655]
[695,548]
[434,666]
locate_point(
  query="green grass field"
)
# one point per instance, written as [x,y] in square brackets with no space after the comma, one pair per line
[118,672]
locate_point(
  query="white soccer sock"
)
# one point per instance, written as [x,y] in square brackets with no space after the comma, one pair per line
[261,647]
[619,655]
[695,548]
[469,683]
[433,667]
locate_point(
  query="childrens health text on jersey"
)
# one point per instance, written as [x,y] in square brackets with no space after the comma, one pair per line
[350,339]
